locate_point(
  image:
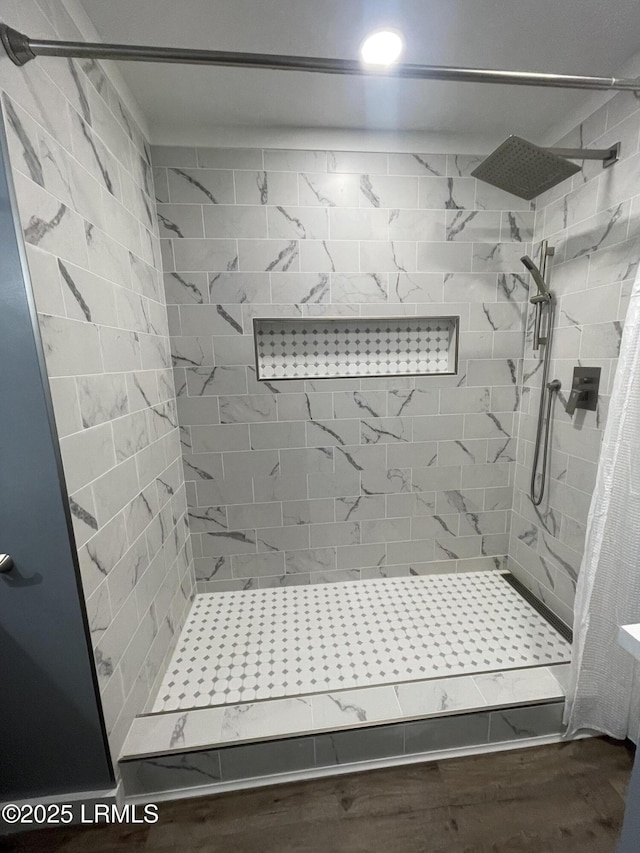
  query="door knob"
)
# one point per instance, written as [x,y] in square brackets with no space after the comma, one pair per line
[6,563]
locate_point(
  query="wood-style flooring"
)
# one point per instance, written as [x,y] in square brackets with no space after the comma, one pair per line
[565,798]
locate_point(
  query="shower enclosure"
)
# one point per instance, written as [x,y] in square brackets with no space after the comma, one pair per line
[286,568]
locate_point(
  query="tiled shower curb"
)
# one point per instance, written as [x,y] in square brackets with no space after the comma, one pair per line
[202,770]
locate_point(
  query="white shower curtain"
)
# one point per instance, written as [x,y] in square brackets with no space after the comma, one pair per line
[605,687]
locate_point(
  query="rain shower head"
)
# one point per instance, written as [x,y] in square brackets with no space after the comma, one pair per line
[523,169]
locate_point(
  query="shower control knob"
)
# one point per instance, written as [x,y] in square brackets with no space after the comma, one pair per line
[584,389]
[6,563]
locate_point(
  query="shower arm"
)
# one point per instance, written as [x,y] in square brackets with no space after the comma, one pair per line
[21,49]
[609,156]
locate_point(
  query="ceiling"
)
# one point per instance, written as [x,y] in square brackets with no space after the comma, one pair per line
[184,103]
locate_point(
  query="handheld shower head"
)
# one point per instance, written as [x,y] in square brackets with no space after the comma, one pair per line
[544,294]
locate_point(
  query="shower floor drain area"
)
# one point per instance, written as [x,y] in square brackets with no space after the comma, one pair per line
[273,643]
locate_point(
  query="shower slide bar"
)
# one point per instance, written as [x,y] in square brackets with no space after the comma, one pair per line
[21,49]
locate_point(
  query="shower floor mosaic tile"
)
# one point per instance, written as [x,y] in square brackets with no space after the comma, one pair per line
[272,643]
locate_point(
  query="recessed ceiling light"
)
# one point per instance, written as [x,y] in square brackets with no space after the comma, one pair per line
[381,48]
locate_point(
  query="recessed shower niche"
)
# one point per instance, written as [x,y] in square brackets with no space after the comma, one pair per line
[322,348]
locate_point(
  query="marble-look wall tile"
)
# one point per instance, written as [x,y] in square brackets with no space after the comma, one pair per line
[86,201]
[291,482]
[590,222]
[197,186]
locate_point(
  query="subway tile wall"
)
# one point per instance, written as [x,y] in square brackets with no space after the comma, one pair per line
[340,480]
[85,193]
[595,229]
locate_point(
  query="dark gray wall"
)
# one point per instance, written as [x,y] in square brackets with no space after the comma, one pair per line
[52,738]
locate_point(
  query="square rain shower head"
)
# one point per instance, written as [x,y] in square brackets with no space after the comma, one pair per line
[524,169]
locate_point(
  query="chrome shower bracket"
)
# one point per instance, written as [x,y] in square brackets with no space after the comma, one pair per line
[16,45]
[546,252]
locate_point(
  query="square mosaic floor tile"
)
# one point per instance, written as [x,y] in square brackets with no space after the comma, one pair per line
[271,643]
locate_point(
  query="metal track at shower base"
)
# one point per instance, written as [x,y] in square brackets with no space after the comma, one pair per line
[562,629]
[20,48]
